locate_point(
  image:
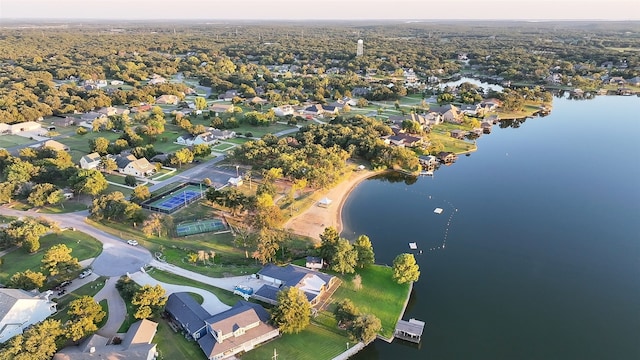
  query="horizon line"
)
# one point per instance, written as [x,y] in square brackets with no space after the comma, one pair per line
[313,19]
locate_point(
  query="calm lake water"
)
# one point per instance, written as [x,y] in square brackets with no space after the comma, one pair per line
[542,256]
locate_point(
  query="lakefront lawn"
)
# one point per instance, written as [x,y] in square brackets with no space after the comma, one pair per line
[380,295]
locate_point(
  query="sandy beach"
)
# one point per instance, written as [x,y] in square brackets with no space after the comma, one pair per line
[312,221]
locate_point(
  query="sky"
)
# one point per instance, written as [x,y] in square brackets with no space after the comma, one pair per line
[322,9]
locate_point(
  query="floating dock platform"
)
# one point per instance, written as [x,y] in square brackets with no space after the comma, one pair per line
[438,210]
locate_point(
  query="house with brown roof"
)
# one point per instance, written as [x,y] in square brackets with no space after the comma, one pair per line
[221,108]
[458,134]
[446,157]
[54,145]
[136,345]
[449,113]
[167,99]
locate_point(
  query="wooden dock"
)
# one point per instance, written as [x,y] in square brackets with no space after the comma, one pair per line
[410,330]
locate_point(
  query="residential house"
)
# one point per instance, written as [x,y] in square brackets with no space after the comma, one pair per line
[136,345]
[190,140]
[167,99]
[404,140]
[229,95]
[222,134]
[432,118]
[141,108]
[19,127]
[90,161]
[239,329]
[313,110]
[330,109]
[221,108]
[283,110]
[446,157]
[486,127]
[314,262]
[92,116]
[129,165]
[157,79]
[471,109]
[111,111]
[449,113]
[634,81]
[617,80]
[490,104]
[348,101]
[428,161]
[458,134]
[63,121]
[54,145]
[20,309]
[185,312]
[313,283]
[256,100]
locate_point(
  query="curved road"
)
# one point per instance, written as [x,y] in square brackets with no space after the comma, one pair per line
[117,258]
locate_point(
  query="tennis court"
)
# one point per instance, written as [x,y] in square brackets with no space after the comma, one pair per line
[176,199]
[200,226]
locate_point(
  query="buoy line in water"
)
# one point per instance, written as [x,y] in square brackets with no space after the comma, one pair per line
[454,211]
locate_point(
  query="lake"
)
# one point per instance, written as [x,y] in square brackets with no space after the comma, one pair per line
[542,256]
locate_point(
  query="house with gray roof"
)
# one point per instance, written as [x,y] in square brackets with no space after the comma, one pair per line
[187,313]
[136,345]
[130,165]
[90,161]
[20,309]
[239,329]
[313,283]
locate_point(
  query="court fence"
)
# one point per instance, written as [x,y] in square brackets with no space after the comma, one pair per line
[149,204]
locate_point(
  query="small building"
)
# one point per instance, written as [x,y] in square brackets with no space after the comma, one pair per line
[314,262]
[167,99]
[458,134]
[235,181]
[283,110]
[428,161]
[446,157]
[90,161]
[20,309]
[325,202]
[409,330]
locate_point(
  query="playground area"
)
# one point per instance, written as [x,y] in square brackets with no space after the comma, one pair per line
[175,199]
[200,226]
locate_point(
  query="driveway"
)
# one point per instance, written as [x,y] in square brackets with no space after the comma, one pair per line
[117,308]
[211,302]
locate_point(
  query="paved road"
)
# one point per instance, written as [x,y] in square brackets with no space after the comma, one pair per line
[193,173]
[117,258]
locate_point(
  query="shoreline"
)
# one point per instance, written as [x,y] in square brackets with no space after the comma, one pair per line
[315,219]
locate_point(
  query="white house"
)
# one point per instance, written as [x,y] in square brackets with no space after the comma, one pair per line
[19,127]
[283,110]
[129,165]
[90,161]
[235,181]
[20,309]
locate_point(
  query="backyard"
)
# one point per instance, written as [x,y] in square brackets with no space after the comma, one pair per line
[14,140]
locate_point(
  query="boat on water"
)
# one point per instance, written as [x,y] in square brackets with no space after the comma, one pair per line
[426,173]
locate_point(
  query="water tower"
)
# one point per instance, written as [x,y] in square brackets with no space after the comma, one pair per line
[360,50]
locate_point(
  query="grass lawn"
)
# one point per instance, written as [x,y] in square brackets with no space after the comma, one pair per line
[169,278]
[125,191]
[7,219]
[172,345]
[129,319]
[222,147]
[69,206]
[259,131]
[83,246]
[313,343]
[89,289]
[13,140]
[168,146]
[81,142]
[238,141]
[451,144]
[105,307]
[380,295]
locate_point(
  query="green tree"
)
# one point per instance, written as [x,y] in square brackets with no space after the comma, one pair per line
[85,313]
[364,250]
[20,171]
[26,233]
[268,244]
[114,207]
[58,260]
[365,328]
[405,269]
[130,180]
[346,311]
[89,181]
[155,223]
[201,150]
[200,103]
[293,312]
[344,258]
[27,280]
[182,156]
[99,145]
[328,242]
[108,164]
[7,189]
[38,342]
[40,193]
[149,299]
[140,194]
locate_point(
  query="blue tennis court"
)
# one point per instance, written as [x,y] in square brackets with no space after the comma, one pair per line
[176,199]
[180,198]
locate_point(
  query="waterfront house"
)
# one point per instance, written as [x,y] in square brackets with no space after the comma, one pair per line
[446,157]
[20,309]
[449,113]
[313,283]
[403,140]
[458,134]
[428,161]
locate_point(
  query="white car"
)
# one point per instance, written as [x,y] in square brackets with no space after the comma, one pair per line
[85,273]
[132,242]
